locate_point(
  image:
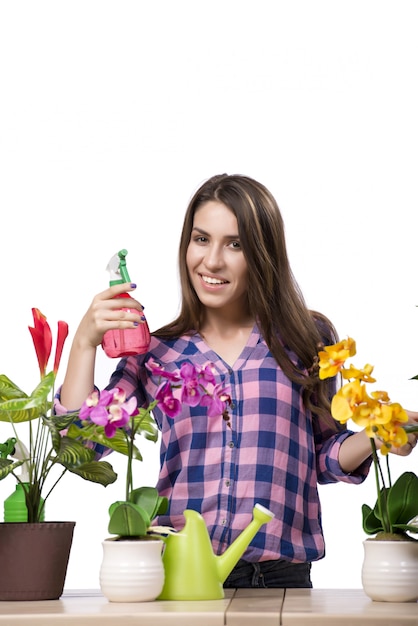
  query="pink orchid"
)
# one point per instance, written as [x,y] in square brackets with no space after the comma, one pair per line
[191,391]
[108,409]
[166,401]
[158,370]
[206,373]
[217,402]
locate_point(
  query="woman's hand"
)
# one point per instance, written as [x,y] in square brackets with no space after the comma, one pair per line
[108,312]
[355,449]
[407,448]
[105,313]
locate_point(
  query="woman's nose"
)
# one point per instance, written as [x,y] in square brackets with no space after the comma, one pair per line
[214,257]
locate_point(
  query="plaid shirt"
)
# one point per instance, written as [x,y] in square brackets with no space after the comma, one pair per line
[275,453]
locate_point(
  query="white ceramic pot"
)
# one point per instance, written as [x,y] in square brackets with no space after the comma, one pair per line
[390,570]
[132,570]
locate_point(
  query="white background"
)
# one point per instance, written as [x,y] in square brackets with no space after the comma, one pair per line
[113,113]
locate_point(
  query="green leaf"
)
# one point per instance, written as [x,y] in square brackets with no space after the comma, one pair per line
[403,499]
[145,425]
[19,410]
[100,472]
[95,434]
[8,389]
[412,528]
[19,407]
[71,453]
[41,391]
[128,520]
[7,466]
[371,523]
[61,422]
[149,499]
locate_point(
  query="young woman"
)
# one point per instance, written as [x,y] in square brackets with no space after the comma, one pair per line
[243,311]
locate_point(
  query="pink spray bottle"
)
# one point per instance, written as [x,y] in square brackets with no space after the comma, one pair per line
[129,341]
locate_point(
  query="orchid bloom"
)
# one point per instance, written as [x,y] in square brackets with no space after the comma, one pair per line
[108,409]
[192,381]
[363,374]
[170,405]
[332,358]
[42,340]
[191,392]
[217,402]
[206,373]
[380,417]
[158,370]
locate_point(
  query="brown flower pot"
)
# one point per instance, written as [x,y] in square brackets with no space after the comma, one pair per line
[34,559]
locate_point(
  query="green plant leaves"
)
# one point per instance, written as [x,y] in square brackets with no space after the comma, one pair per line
[7,466]
[403,500]
[402,507]
[96,472]
[149,499]
[128,520]
[133,518]
[96,434]
[62,440]
[371,523]
[81,461]
[16,406]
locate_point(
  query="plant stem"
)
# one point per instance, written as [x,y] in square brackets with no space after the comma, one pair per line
[130,441]
[381,491]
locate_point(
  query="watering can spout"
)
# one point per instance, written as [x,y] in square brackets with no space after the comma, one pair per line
[192,570]
[227,561]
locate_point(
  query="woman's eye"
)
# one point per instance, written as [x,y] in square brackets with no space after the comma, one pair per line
[201,239]
[236,245]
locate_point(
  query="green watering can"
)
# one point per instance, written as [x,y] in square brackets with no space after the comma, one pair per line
[192,570]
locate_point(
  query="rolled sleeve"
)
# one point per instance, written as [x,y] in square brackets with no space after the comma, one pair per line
[329,468]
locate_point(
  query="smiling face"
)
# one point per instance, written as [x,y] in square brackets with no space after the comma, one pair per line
[215,261]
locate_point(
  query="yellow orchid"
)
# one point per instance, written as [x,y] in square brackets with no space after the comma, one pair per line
[332,358]
[363,374]
[372,414]
[392,435]
[346,400]
[397,504]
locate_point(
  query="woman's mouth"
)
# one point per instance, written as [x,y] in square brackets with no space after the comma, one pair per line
[211,280]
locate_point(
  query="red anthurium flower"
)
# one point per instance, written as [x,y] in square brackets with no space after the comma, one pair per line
[62,336]
[42,339]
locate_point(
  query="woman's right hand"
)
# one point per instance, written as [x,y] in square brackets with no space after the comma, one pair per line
[107,312]
[104,313]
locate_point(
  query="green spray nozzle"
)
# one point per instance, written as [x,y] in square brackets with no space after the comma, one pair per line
[122,266]
[117,268]
[7,448]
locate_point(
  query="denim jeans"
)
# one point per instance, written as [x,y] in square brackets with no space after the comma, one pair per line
[269,574]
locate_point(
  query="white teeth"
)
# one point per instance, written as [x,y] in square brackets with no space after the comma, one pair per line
[213,281]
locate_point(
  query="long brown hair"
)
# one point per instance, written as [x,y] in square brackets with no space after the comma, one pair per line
[274,297]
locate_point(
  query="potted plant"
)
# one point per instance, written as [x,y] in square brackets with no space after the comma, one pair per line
[132,568]
[390,568]
[45,454]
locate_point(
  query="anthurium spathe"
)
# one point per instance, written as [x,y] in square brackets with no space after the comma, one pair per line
[385,423]
[46,449]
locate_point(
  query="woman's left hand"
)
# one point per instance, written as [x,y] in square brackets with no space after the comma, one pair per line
[411,428]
